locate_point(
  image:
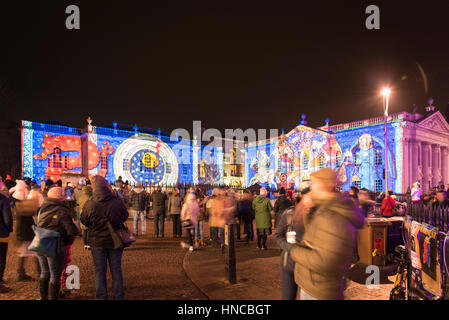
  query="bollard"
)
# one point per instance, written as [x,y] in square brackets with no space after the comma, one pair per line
[230,267]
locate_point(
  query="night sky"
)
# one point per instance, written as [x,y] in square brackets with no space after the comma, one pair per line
[231,64]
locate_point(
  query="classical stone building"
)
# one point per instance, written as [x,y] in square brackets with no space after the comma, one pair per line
[417,150]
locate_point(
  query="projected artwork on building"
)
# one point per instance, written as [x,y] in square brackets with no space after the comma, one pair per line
[147,160]
[208,167]
[355,150]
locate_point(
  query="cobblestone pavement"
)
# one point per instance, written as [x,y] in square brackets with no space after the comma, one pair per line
[258,275]
[152,269]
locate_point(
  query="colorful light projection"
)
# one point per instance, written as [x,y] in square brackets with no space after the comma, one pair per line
[48,151]
[146,159]
[209,166]
[362,162]
[289,160]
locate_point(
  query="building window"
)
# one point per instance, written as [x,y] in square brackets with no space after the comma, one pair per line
[338,159]
[358,184]
[126,164]
[379,186]
[305,163]
[56,161]
[379,157]
[279,165]
[357,159]
[168,168]
[185,169]
[104,162]
[321,161]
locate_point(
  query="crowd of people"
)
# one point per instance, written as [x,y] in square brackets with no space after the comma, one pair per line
[315,227]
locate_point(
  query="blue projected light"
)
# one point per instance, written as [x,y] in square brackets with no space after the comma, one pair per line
[147,167]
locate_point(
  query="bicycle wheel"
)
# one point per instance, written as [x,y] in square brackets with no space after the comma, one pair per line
[397,293]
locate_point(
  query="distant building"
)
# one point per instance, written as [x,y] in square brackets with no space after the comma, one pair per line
[417,151]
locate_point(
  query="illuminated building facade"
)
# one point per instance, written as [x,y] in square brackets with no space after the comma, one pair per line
[417,151]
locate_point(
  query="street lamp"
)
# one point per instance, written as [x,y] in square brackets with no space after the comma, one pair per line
[386,95]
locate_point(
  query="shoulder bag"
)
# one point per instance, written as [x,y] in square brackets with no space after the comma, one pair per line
[122,237]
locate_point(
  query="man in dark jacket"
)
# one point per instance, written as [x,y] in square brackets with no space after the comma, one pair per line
[139,201]
[174,210]
[55,216]
[6,225]
[246,214]
[329,240]
[103,208]
[158,199]
[281,204]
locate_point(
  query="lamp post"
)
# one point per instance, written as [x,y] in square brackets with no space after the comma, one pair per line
[386,95]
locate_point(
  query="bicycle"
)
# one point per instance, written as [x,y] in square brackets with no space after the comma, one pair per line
[402,290]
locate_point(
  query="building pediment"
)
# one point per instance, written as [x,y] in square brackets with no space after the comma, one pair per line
[435,122]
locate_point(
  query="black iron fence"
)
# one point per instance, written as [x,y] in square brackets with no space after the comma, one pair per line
[434,214]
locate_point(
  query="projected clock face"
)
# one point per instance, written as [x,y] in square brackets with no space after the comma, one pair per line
[147,167]
[146,159]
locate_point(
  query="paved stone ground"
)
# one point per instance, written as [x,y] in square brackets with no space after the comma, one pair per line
[152,269]
[159,269]
[258,275]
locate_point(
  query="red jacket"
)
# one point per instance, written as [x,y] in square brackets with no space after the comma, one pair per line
[388,204]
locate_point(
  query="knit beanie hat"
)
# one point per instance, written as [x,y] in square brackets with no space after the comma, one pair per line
[56,193]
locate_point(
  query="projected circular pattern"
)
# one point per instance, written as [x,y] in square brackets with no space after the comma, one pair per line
[146,159]
[147,167]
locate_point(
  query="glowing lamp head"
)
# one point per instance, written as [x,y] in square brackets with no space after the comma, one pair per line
[385,92]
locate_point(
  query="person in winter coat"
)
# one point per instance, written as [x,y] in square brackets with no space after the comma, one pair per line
[55,216]
[6,227]
[3,187]
[388,204]
[291,220]
[158,199]
[262,207]
[246,215]
[189,217]
[416,193]
[199,227]
[9,182]
[26,211]
[19,191]
[221,210]
[86,195]
[104,207]
[326,251]
[281,204]
[139,202]
[77,192]
[174,210]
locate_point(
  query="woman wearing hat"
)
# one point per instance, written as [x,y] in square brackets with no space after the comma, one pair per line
[55,216]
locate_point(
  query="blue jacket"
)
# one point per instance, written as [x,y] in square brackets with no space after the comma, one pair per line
[5,217]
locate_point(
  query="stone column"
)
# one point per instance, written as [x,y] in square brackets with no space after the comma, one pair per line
[425,165]
[434,164]
[415,168]
[444,167]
